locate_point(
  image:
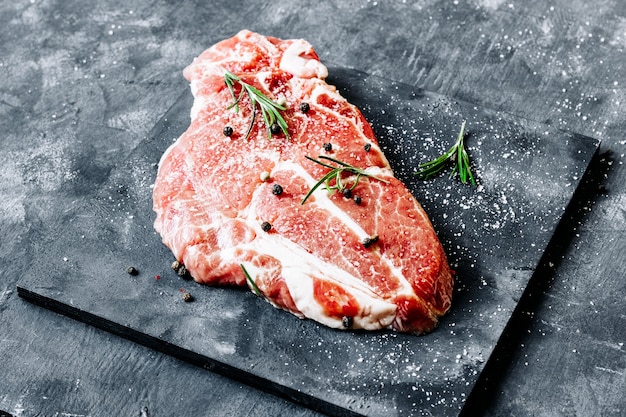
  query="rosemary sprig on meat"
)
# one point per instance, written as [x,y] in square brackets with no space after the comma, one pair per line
[256,289]
[456,154]
[336,171]
[270,110]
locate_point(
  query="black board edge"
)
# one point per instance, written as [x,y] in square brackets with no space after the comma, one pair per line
[186,355]
[509,340]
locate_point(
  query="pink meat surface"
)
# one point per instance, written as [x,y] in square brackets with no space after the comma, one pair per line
[211,199]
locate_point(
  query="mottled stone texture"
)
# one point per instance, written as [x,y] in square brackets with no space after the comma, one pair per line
[92,78]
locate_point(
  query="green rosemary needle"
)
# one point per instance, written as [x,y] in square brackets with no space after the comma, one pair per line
[256,289]
[335,173]
[270,110]
[456,154]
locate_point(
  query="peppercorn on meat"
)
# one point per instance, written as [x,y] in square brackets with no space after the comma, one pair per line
[279,184]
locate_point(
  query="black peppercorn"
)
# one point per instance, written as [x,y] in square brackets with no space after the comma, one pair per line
[275,129]
[367,147]
[370,240]
[328,147]
[347,321]
[357,199]
[187,297]
[227,131]
[266,226]
[182,271]
[132,270]
[347,193]
[277,189]
[304,107]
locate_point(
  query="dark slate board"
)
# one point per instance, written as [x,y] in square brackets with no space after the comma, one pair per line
[494,234]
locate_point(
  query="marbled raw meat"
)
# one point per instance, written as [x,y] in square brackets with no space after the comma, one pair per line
[210,198]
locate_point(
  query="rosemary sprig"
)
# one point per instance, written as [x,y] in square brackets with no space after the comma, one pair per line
[456,154]
[251,281]
[336,172]
[270,110]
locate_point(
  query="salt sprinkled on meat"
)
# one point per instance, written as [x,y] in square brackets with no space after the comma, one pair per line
[210,201]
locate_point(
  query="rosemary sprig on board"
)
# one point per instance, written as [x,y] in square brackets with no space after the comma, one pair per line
[456,154]
[270,110]
[335,173]
[256,289]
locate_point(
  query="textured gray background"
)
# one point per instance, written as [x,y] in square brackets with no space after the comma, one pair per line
[494,235]
[82,79]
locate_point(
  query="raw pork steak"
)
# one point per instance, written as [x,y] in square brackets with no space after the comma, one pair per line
[366,261]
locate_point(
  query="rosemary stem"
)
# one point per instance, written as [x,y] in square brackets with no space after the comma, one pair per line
[270,110]
[456,154]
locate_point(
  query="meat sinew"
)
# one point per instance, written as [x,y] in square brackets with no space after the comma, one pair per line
[368,260]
